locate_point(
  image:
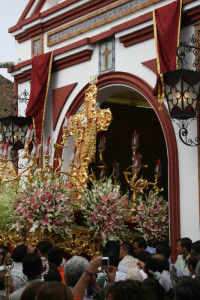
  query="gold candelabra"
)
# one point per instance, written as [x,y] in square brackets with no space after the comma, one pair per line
[139,184]
[83,126]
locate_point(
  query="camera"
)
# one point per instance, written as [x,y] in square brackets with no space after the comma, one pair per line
[105,262]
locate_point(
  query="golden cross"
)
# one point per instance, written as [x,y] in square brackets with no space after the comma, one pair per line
[106,54]
[84,128]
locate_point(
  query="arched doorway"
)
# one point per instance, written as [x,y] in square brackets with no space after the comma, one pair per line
[131,111]
[138,84]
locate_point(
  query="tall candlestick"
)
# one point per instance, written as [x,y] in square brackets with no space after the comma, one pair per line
[67,121]
[74,155]
[134,139]
[2,149]
[30,131]
[48,143]
[158,167]
[7,144]
[138,159]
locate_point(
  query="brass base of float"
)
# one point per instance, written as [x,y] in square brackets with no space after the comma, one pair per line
[79,241]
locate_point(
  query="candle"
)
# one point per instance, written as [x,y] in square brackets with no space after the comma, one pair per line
[67,121]
[158,167]
[2,150]
[7,144]
[138,159]
[30,131]
[134,139]
[48,143]
[74,154]
[102,143]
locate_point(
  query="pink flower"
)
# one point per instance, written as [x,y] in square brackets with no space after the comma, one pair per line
[30,217]
[35,206]
[60,197]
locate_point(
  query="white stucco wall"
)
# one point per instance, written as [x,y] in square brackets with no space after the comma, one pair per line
[127,60]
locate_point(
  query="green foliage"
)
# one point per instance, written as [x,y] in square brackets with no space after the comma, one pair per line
[7,196]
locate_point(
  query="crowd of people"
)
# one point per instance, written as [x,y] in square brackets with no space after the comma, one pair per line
[123,271]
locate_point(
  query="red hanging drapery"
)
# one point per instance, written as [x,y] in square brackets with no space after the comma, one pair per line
[40,77]
[167,21]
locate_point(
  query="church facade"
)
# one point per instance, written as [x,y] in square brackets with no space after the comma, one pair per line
[114,40]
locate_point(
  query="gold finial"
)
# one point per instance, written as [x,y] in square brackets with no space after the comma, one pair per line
[93,79]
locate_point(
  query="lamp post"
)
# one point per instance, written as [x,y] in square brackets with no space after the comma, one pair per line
[15,128]
[182,91]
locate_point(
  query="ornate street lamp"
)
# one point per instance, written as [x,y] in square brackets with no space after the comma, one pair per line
[14,130]
[182,90]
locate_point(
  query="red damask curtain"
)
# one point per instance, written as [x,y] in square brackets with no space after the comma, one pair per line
[167,21]
[40,77]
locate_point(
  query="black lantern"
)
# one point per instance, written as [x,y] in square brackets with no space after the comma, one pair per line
[15,130]
[182,92]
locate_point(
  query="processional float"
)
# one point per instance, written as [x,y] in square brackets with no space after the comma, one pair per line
[84,127]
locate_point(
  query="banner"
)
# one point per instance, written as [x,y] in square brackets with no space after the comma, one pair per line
[167,21]
[40,78]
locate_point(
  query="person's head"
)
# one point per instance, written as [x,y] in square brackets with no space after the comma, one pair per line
[197,270]
[192,261]
[184,246]
[19,252]
[126,290]
[43,247]
[74,269]
[111,246]
[53,274]
[143,256]
[53,291]
[156,262]
[156,290]
[134,274]
[32,266]
[114,258]
[196,247]
[125,249]
[31,290]
[139,244]
[2,279]
[3,252]
[187,289]
[163,248]
[55,255]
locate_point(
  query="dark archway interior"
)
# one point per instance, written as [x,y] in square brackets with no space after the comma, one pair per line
[132,112]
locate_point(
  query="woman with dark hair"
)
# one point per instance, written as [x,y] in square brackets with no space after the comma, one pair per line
[53,291]
[30,290]
[126,290]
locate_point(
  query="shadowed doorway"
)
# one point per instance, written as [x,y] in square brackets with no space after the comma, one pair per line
[131,111]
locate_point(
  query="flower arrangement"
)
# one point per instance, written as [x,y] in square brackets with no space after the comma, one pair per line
[152,217]
[7,196]
[44,205]
[104,211]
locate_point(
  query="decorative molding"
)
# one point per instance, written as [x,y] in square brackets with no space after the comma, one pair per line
[151,64]
[147,91]
[37,45]
[93,20]
[72,60]
[137,37]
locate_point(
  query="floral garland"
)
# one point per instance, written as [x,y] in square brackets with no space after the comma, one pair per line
[104,211]
[44,205]
[152,217]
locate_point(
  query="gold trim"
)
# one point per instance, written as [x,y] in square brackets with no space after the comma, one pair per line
[93,14]
[49,75]
[179,27]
